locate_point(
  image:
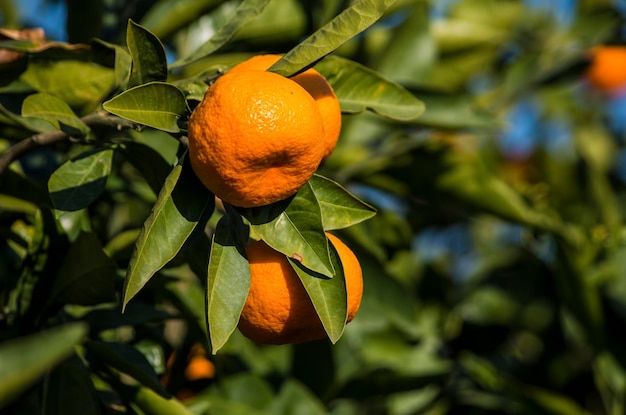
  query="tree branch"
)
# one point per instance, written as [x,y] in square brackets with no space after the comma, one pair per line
[44,139]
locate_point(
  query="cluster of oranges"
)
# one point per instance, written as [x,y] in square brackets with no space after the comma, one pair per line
[255,139]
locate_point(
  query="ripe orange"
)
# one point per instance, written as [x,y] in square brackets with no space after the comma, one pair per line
[316,85]
[607,71]
[278,309]
[254,138]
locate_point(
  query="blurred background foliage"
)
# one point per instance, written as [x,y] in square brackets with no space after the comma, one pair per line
[495,269]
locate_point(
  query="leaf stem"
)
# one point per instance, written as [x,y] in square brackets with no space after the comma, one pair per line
[48,138]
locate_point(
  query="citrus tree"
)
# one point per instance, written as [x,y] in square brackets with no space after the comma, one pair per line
[183,181]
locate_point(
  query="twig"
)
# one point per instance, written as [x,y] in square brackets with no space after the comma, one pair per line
[44,139]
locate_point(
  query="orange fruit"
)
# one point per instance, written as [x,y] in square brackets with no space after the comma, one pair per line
[278,309]
[607,71]
[254,138]
[316,85]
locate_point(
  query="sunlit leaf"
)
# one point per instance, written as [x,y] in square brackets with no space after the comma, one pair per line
[24,360]
[247,11]
[228,279]
[156,104]
[165,17]
[294,227]
[80,84]
[177,211]
[359,88]
[340,209]
[149,63]
[55,111]
[335,33]
[80,181]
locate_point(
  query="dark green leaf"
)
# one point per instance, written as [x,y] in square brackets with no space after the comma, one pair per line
[228,279]
[121,60]
[179,206]
[149,63]
[294,227]
[359,88]
[247,10]
[340,209]
[127,359]
[24,360]
[87,274]
[335,33]
[135,314]
[69,390]
[156,104]
[328,295]
[55,111]
[149,162]
[80,181]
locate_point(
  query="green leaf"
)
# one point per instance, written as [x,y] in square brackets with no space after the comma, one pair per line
[328,295]
[148,56]
[359,88]
[121,60]
[294,227]
[82,85]
[295,398]
[55,111]
[411,49]
[167,16]
[149,402]
[127,359]
[228,279]
[340,209]
[87,275]
[69,390]
[148,162]
[24,360]
[335,33]
[156,104]
[177,211]
[247,11]
[80,181]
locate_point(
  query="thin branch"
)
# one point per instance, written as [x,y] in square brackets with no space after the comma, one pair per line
[44,139]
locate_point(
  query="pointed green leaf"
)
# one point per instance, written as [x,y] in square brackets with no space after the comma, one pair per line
[328,295]
[80,181]
[340,209]
[335,33]
[55,111]
[359,88]
[87,274]
[294,227]
[228,279]
[24,360]
[156,104]
[177,211]
[148,55]
[247,11]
